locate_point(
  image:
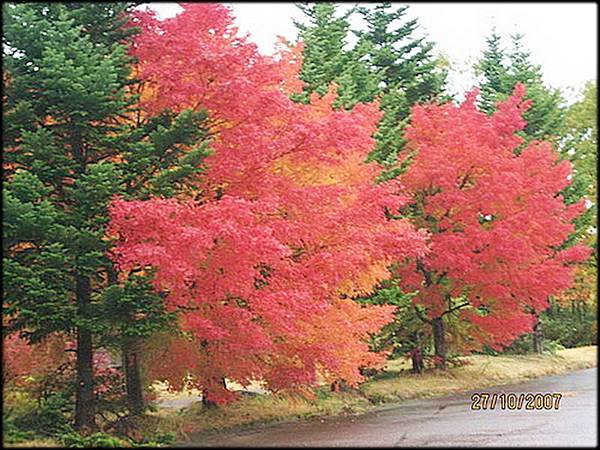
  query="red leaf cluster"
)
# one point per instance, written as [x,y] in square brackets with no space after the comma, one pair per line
[290,218]
[496,217]
[52,362]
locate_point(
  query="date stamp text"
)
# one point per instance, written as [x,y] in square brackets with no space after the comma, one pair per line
[512,401]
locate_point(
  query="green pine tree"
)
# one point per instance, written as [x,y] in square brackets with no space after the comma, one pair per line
[545,118]
[358,82]
[63,94]
[502,69]
[70,145]
[495,73]
[408,74]
[325,59]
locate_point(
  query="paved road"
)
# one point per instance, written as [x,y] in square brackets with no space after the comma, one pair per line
[444,422]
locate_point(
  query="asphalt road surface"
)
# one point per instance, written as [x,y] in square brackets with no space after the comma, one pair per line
[444,422]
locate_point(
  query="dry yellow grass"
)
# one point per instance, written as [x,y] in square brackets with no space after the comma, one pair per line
[479,371]
[261,409]
[35,443]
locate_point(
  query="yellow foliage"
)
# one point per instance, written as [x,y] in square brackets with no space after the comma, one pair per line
[365,283]
[584,288]
[349,171]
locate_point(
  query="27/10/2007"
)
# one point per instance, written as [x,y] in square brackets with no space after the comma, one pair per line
[532,401]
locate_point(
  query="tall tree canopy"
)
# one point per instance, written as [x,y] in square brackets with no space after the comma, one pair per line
[406,69]
[326,58]
[287,222]
[497,221]
[65,89]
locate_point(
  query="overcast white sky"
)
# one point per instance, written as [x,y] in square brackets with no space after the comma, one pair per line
[562,37]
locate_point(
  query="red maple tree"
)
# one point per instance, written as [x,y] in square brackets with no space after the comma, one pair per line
[495,217]
[289,224]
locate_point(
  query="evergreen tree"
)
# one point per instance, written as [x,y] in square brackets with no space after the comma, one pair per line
[72,140]
[326,61]
[545,118]
[502,69]
[358,81]
[399,57]
[408,73]
[63,94]
[492,67]
[324,39]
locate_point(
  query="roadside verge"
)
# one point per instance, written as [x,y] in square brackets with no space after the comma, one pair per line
[394,385]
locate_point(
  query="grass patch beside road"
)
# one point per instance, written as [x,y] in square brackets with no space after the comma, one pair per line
[478,371]
[255,411]
[35,443]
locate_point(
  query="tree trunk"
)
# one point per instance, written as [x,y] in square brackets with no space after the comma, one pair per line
[206,391]
[85,408]
[209,403]
[537,337]
[439,342]
[133,378]
[417,360]
[340,385]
